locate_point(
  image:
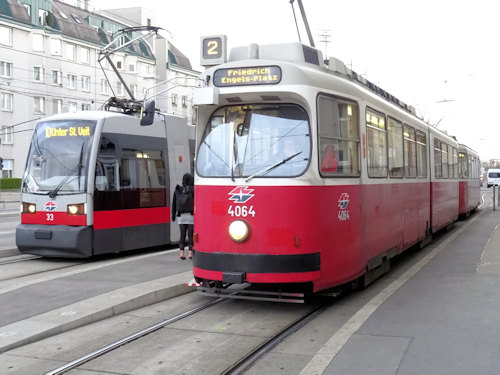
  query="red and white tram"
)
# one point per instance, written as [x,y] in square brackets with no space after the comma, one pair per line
[309,175]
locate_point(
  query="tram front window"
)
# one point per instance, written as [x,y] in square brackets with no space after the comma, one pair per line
[255,141]
[58,157]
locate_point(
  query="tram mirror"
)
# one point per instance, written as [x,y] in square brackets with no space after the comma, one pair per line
[148,113]
[242,129]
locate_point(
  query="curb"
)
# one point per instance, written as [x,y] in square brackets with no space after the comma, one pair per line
[92,310]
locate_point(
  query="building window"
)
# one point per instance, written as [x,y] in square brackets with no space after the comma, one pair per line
[119,89]
[6,101]
[132,66]
[57,106]
[38,74]
[184,100]
[28,8]
[71,51]
[8,167]
[85,107]
[119,64]
[5,36]
[174,99]
[85,55]
[73,106]
[39,105]
[85,83]
[38,42]
[5,69]
[56,77]
[55,46]
[133,89]
[7,135]
[104,87]
[42,17]
[72,81]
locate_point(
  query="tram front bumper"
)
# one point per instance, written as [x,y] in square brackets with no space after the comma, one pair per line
[55,240]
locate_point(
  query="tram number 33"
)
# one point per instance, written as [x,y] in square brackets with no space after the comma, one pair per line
[241,211]
[49,217]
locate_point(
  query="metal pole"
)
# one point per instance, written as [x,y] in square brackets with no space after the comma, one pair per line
[303,12]
[494,205]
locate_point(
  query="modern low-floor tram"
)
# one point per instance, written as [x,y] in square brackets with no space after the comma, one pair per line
[98,182]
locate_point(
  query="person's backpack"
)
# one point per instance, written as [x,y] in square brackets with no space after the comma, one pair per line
[185,201]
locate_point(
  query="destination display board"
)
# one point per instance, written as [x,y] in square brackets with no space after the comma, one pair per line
[259,75]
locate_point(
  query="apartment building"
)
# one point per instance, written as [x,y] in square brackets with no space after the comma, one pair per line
[49,52]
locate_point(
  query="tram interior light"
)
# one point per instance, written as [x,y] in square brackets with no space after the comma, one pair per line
[76,209]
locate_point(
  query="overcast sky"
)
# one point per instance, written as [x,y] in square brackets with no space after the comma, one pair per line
[441,56]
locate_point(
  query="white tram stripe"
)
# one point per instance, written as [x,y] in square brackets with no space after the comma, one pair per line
[325,355]
[56,275]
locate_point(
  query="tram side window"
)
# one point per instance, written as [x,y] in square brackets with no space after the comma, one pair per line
[454,158]
[376,144]
[463,165]
[338,122]
[395,142]
[437,159]
[142,178]
[444,154]
[421,154]
[410,152]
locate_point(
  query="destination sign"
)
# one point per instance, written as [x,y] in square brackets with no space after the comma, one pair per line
[66,129]
[72,131]
[261,75]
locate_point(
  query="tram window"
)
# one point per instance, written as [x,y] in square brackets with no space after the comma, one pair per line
[463,165]
[437,159]
[421,154]
[444,154]
[395,144]
[338,123]
[255,141]
[455,162]
[410,152]
[376,144]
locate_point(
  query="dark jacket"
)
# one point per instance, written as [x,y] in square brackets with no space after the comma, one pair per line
[183,199]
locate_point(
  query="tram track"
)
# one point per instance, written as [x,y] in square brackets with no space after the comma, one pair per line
[18,259]
[248,358]
[110,347]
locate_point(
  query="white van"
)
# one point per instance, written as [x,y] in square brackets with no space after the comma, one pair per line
[493,177]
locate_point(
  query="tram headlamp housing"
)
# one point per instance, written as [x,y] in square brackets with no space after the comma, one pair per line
[28,208]
[239,231]
[76,209]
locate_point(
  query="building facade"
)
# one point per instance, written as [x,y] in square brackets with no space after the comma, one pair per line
[49,64]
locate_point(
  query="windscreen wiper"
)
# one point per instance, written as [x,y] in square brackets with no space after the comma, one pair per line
[270,168]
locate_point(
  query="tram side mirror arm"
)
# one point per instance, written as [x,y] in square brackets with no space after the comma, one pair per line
[148,113]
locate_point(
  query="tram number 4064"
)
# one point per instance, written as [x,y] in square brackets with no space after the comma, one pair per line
[241,211]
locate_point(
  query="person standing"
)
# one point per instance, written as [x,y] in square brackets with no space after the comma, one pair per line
[183,209]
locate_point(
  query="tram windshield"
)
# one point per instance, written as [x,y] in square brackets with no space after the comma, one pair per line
[255,141]
[58,157]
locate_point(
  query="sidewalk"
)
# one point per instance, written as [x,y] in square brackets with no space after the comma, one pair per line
[441,318]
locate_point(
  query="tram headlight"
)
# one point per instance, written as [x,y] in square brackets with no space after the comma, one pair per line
[29,208]
[76,209]
[239,231]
